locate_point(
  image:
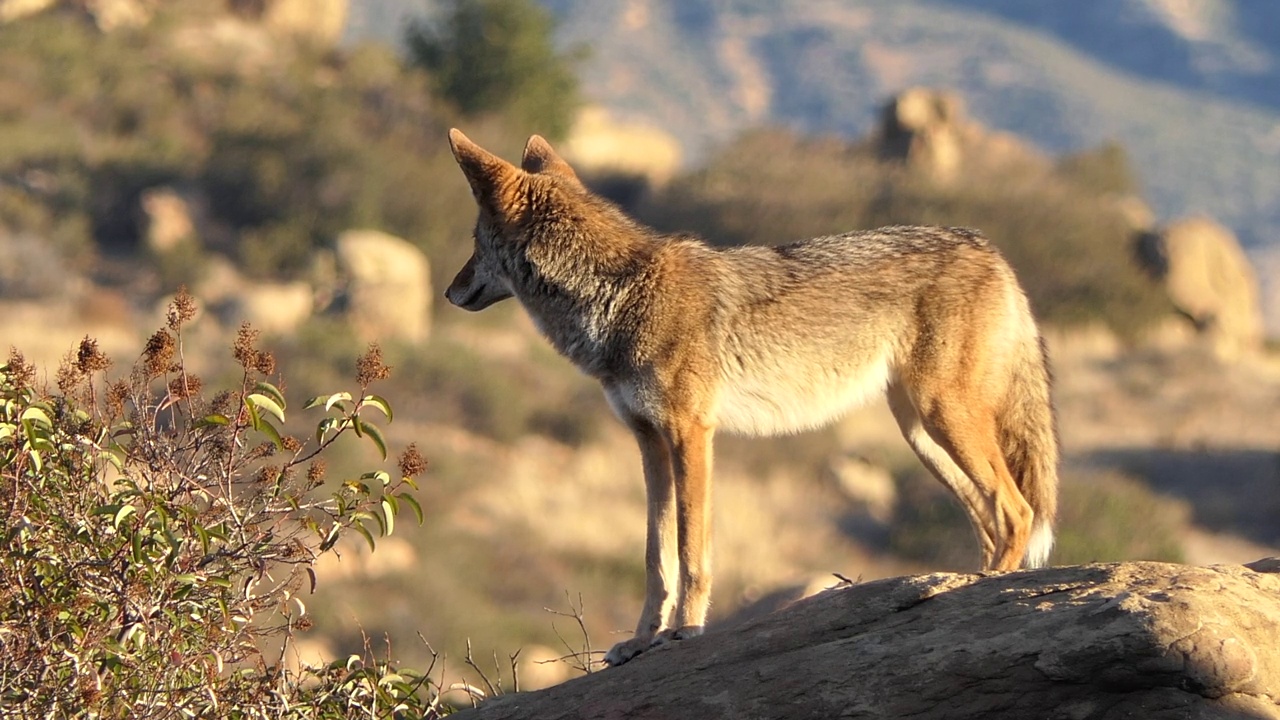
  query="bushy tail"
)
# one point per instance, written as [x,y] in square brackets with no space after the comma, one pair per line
[1030,443]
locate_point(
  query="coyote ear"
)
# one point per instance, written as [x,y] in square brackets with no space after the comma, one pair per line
[485,171]
[539,157]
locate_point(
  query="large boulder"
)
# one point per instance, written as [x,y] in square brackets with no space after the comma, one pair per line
[1124,640]
[1209,279]
[385,285]
[930,131]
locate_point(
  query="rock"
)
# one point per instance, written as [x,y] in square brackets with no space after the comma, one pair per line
[108,15]
[168,220]
[923,127]
[1210,281]
[929,130]
[869,486]
[11,10]
[600,145]
[1122,640]
[273,308]
[386,285]
[120,14]
[319,21]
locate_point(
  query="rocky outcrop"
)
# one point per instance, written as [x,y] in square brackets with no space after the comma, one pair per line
[384,285]
[1209,279]
[599,144]
[1148,640]
[931,132]
[316,21]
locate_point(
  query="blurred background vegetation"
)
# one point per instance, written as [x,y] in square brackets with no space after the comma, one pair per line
[282,141]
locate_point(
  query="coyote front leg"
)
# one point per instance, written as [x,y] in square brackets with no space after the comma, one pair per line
[677,472]
[660,559]
[691,460]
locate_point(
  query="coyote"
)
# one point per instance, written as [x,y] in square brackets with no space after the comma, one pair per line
[687,338]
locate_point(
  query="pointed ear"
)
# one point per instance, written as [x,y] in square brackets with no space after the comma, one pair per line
[539,157]
[484,170]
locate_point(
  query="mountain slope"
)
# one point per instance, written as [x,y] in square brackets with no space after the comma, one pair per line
[705,69]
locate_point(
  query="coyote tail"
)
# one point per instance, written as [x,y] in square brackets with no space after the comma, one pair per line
[1030,444]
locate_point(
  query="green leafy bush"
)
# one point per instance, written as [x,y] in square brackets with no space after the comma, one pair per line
[281,157]
[157,547]
[499,57]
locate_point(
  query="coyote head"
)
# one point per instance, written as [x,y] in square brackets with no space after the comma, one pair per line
[504,194]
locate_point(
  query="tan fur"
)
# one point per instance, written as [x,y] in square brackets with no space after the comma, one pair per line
[686,338]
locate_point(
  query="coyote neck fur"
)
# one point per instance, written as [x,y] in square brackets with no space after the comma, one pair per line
[584,283]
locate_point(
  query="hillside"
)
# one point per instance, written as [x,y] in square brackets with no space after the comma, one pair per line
[1226,49]
[261,171]
[1194,101]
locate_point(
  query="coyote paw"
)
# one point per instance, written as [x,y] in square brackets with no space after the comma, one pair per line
[684,633]
[626,650]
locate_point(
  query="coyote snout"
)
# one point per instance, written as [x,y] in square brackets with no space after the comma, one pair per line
[686,338]
[475,290]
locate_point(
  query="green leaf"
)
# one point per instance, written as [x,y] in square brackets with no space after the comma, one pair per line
[268,404]
[379,402]
[254,418]
[270,431]
[314,402]
[379,475]
[382,523]
[389,512]
[37,415]
[332,538]
[324,427]
[115,455]
[213,420]
[357,424]
[360,528]
[336,399]
[413,503]
[376,436]
[272,392]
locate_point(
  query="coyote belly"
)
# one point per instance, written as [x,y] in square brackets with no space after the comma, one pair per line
[776,400]
[686,338]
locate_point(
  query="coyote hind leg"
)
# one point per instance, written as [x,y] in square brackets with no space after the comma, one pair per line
[977,471]
[945,469]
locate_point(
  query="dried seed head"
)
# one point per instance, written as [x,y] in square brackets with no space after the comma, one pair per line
[411,461]
[223,402]
[157,357]
[315,472]
[184,387]
[265,363]
[89,358]
[243,349]
[117,396]
[268,474]
[21,372]
[369,368]
[182,309]
[291,443]
[69,374]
